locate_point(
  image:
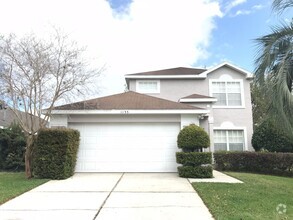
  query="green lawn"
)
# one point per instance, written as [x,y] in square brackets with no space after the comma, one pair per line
[14,184]
[257,198]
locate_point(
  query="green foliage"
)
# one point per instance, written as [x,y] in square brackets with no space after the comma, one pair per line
[192,138]
[12,148]
[259,101]
[193,158]
[274,69]
[55,153]
[195,172]
[267,163]
[269,137]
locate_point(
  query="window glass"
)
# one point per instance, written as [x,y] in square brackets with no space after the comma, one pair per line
[227,93]
[148,87]
[229,140]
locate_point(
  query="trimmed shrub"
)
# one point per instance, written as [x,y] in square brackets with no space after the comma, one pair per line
[193,158]
[55,152]
[192,137]
[12,148]
[195,172]
[269,137]
[255,162]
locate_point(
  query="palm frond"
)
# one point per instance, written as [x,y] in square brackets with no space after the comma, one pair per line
[274,72]
[281,5]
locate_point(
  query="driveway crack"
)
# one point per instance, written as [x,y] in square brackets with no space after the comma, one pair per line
[102,206]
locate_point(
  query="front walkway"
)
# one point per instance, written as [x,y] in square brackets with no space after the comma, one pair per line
[218,178]
[107,196]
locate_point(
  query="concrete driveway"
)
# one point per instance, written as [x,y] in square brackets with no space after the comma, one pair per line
[107,196]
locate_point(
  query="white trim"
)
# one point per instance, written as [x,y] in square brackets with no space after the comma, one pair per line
[198,100]
[248,74]
[231,128]
[241,92]
[148,92]
[130,111]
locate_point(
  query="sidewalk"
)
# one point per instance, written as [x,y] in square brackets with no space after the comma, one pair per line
[218,178]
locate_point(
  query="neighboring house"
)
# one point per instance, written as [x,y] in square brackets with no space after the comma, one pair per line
[137,131]
[7,117]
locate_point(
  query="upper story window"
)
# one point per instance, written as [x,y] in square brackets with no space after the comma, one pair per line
[148,86]
[229,94]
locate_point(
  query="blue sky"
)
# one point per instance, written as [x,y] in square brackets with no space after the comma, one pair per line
[233,37]
[129,36]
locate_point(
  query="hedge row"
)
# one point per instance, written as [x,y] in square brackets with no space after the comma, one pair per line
[256,162]
[195,172]
[193,158]
[195,164]
[55,153]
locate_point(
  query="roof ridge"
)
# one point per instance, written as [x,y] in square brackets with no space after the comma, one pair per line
[155,72]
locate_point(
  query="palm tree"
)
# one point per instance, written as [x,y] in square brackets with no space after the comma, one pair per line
[274,72]
[280,5]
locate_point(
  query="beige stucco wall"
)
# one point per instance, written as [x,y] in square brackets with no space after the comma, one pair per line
[174,89]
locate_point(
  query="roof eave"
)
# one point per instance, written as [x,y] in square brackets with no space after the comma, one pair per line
[130,111]
[248,74]
[190,100]
[165,77]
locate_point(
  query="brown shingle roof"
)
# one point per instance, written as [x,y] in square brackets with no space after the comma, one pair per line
[173,71]
[197,96]
[127,100]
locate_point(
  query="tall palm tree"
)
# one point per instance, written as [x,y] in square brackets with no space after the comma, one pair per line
[274,70]
[280,5]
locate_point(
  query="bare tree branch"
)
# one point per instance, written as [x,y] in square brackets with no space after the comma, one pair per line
[36,73]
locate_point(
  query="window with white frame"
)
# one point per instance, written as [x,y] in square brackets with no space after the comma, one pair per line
[228,93]
[229,140]
[148,86]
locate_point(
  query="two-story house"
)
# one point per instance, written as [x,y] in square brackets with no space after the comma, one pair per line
[136,131]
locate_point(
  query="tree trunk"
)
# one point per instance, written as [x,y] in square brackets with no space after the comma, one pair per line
[28,156]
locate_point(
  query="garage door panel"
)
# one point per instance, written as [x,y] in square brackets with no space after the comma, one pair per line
[121,167]
[127,147]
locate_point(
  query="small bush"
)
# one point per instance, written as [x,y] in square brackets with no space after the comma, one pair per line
[192,138]
[12,148]
[193,158]
[269,137]
[255,162]
[195,172]
[55,153]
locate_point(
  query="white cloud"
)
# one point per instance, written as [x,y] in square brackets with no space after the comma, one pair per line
[233,4]
[258,7]
[242,12]
[253,9]
[151,35]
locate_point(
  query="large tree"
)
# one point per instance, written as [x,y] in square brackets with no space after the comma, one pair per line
[35,73]
[274,72]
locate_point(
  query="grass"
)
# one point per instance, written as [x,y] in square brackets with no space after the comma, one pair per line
[14,184]
[257,198]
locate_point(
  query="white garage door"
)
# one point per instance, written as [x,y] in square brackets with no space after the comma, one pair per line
[127,147]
